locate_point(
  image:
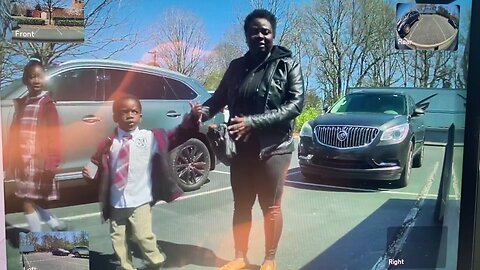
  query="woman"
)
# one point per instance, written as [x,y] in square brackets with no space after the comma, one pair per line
[264,92]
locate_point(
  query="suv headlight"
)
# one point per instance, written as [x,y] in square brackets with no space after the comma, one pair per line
[306,130]
[395,134]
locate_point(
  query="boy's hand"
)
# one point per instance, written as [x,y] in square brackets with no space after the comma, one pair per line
[86,173]
[196,111]
[90,170]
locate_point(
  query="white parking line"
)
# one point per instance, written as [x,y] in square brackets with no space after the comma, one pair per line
[415,27]
[345,188]
[89,215]
[439,27]
[221,172]
[456,188]
[397,244]
[25,263]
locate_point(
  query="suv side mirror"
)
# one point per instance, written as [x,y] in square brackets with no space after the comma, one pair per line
[326,109]
[418,112]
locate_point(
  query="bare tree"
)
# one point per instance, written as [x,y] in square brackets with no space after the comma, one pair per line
[217,63]
[324,24]
[50,6]
[350,44]
[464,40]
[17,7]
[5,23]
[376,62]
[433,69]
[180,41]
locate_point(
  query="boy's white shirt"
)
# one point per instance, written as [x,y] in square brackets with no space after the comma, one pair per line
[139,186]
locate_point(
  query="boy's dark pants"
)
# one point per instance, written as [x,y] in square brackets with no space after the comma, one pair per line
[137,224]
[251,177]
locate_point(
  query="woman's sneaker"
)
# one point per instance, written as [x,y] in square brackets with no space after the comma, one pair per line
[268,265]
[237,264]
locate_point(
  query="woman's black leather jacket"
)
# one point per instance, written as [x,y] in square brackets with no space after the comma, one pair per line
[280,99]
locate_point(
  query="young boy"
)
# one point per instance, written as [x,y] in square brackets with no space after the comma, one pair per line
[134,173]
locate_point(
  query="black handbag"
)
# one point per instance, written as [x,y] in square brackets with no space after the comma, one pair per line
[222,143]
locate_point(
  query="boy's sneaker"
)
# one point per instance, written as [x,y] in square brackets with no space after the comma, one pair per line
[62,226]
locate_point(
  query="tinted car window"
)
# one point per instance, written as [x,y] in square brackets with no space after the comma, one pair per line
[181,90]
[391,104]
[411,106]
[144,86]
[75,85]
[11,88]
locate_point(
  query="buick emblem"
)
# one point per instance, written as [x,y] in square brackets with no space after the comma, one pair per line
[342,135]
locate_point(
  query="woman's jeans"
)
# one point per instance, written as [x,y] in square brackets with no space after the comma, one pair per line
[251,177]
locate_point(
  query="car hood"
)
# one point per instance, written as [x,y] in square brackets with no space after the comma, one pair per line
[379,120]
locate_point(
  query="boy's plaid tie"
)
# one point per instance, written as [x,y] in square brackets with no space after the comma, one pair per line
[121,174]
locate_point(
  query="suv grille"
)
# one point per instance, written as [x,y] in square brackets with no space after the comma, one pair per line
[345,136]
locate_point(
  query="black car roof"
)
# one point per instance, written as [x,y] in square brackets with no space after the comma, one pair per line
[378,92]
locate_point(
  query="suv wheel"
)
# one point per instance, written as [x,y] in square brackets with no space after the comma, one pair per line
[407,169]
[191,164]
[76,254]
[418,158]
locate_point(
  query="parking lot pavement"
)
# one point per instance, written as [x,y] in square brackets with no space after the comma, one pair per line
[327,224]
[45,260]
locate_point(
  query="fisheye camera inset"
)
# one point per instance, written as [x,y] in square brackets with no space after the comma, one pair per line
[427,27]
[47,21]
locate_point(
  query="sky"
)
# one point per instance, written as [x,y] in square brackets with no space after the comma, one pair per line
[218,16]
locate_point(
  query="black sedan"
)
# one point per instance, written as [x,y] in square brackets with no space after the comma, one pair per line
[60,252]
[370,135]
[406,22]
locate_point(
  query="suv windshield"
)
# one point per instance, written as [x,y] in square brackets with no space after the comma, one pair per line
[371,103]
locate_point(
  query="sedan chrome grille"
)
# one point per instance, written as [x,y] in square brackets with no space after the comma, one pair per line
[345,136]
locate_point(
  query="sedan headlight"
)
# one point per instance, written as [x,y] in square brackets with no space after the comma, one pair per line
[395,134]
[306,130]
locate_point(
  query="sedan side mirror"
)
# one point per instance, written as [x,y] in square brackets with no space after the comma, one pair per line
[418,112]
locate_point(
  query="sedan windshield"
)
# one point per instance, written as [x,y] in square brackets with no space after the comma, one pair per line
[379,103]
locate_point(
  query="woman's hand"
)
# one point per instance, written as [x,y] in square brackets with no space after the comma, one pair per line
[239,129]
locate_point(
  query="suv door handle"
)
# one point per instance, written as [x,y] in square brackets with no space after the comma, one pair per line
[173,114]
[91,119]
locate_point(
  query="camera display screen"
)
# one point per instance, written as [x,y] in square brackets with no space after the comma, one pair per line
[427,26]
[46,21]
[314,130]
